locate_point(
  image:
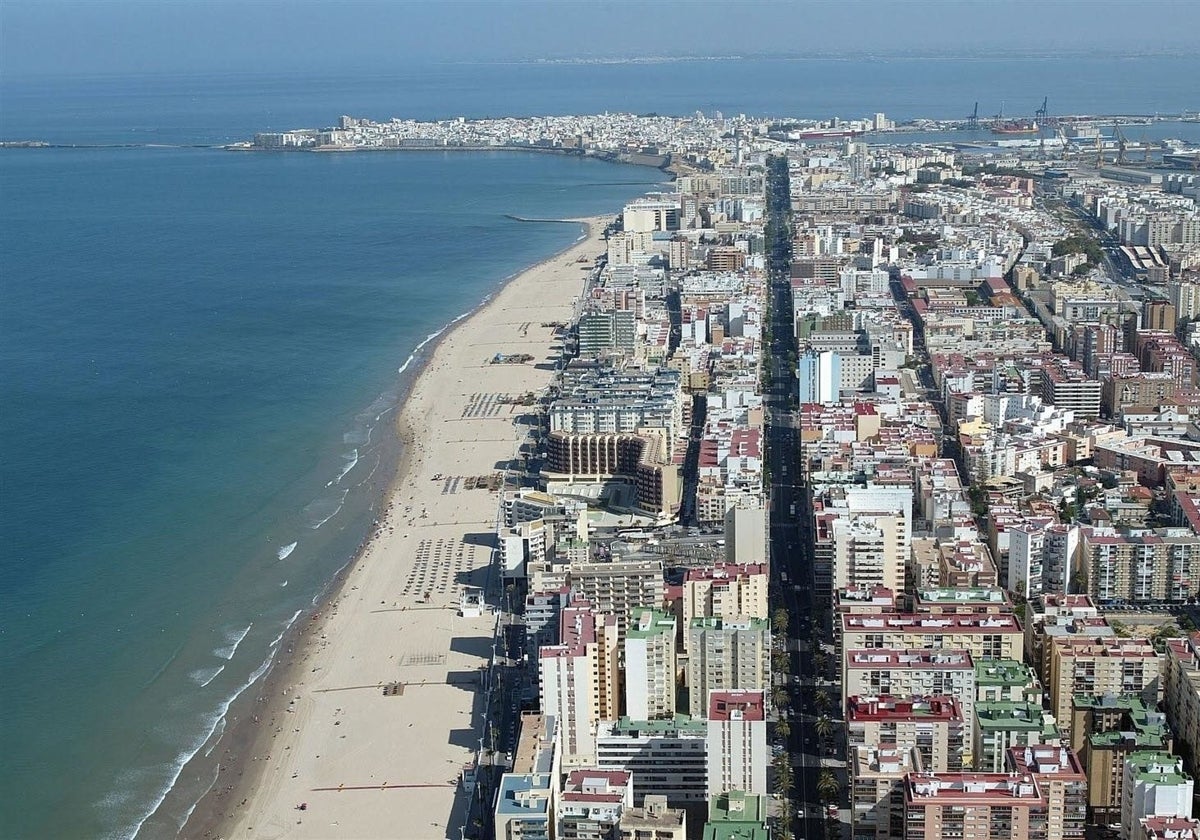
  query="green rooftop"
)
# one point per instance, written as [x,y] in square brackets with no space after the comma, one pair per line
[737,806]
[717,623]
[664,727]
[1157,767]
[1009,715]
[735,831]
[1002,672]
[646,622]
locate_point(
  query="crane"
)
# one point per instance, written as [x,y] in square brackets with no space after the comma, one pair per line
[1062,138]
[973,120]
[1121,145]
[1040,114]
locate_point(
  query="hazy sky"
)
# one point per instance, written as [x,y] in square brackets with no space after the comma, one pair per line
[132,36]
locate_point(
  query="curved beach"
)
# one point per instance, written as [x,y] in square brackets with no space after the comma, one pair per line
[369,723]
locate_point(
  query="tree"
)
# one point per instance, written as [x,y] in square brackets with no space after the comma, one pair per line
[828,786]
[824,726]
[779,621]
[783,729]
[780,697]
[822,701]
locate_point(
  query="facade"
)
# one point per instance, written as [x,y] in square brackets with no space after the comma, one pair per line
[933,725]
[1060,776]
[650,665]
[653,821]
[726,654]
[906,673]
[1181,696]
[976,806]
[525,806]
[592,803]
[737,742]
[1059,615]
[877,789]
[667,758]
[723,591]
[580,681]
[643,459]
[1155,786]
[983,636]
[619,586]
[1001,725]
[1161,565]
[1115,666]
[1109,729]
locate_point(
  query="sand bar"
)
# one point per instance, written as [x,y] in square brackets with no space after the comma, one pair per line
[366,763]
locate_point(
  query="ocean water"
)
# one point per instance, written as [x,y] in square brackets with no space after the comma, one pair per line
[201,354]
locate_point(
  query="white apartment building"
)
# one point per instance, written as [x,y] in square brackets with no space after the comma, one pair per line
[737,742]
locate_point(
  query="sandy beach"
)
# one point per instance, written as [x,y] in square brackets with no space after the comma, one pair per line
[366,762]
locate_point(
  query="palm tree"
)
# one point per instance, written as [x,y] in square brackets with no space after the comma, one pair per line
[779,621]
[821,700]
[780,698]
[783,729]
[780,662]
[824,726]
[828,786]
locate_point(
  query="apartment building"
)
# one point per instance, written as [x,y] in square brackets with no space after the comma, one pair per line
[725,654]
[650,665]
[871,672]
[877,774]
[525,806]
[976,806]
[1181,696]
[1052,616]
[1061,778]
[933,725]
[1159,565]
[619,586]
[591,804]
[580,682]
[1156,785]
[667,758]
[737,742]
[983,636]
[1006,680]
[1001,725]
[726,590]
[653,821]
[1101,666]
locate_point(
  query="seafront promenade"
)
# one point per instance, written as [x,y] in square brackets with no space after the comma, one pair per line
[371,728]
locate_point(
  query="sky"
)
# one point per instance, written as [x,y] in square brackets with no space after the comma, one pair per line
[97,37]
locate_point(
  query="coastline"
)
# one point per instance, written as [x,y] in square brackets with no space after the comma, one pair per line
[390,614]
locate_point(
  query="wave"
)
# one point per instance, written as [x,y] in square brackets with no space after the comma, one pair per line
[321,511]
[286,550]
[283,584]
[186,755]
[351,462]
[234,639]
[161,668]
[287,626]
[203,676]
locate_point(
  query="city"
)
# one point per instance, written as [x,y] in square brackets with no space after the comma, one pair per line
[863,504]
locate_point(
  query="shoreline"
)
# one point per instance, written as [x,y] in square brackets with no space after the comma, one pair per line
[245,762]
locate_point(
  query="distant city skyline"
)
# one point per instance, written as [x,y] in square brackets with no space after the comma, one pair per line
[73,37]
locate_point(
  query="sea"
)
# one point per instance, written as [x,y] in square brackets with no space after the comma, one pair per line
[202,353]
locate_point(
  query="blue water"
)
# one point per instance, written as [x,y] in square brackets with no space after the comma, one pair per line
[200,353]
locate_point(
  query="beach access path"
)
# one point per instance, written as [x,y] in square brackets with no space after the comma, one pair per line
[369,763]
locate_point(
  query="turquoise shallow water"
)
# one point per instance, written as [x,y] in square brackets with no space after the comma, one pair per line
[201,354]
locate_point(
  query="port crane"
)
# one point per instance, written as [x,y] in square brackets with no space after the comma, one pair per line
[1040,114]
[1122,145]
[973,120]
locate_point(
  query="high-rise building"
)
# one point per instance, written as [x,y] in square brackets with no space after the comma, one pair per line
[871,672]
[591,804]
[1002,725]
[1181,695]
[1162,565]
[725,654]
[977,806]
[619,586]
[667,758]
[653,821]
[737,742]
[650,665]
[580,681]
[1119,666]
[723,591]
[1053,616]
[877,789]
[525,806]
[1060,776]
[934,725]
[1156,785]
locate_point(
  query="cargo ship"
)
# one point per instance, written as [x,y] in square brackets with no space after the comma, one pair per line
[1016,127]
